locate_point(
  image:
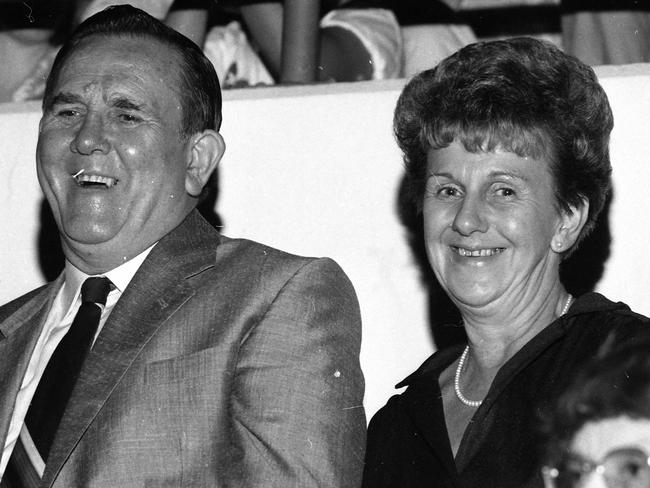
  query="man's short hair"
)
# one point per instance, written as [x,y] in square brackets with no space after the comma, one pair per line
[200,94]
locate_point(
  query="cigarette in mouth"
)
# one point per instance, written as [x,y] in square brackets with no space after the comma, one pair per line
[78,173]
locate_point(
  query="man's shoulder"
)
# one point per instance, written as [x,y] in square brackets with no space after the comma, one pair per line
[196,240]
[254,266]
[245,253]
[16,304]
[198,250]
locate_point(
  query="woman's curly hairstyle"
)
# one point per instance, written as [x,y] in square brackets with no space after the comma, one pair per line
[520,95]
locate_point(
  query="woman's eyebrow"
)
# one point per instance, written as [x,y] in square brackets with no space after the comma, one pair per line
[435,176]
[513,175]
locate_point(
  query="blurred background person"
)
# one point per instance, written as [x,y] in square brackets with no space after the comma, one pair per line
[599,432]
[431,31]
[506,146]
[30,33]
[352,39]
[250,43]
[607,31]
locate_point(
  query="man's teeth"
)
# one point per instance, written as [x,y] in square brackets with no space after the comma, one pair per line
[84,179]
[479,253]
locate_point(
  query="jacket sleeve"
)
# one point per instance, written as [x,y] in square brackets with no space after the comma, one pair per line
[297,411]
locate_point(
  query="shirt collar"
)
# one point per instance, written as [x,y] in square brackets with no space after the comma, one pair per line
[120,276]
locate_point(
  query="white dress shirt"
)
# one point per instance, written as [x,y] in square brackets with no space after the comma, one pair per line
[57,323]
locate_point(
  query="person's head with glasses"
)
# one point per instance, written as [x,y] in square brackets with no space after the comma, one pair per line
[599,431]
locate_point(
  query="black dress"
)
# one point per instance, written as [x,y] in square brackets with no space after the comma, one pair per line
[408,445]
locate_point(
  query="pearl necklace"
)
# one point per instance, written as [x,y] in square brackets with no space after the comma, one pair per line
[568,303]
[463,358]
[459,368]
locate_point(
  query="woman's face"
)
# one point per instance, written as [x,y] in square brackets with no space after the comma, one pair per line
[489,221]
[613,439]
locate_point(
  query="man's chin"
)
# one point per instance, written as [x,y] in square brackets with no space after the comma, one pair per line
[85,233]
[95,252]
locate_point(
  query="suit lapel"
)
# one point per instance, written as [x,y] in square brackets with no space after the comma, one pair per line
[157,290]
[20,332]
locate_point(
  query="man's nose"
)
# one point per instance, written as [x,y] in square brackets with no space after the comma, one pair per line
[470,216]
[91,137]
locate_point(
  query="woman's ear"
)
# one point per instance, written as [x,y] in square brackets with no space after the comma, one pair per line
[205,150]
[571,224]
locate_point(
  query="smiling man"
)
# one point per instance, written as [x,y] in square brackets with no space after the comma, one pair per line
[166,354]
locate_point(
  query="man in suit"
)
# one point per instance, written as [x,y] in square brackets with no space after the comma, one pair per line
[217,362]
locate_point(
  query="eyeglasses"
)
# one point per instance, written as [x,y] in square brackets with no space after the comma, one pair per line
[621,468]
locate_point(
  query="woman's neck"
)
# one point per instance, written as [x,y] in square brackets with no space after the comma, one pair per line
[495,335]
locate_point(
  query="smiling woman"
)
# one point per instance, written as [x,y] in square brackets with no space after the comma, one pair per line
[489,218]
[506,152]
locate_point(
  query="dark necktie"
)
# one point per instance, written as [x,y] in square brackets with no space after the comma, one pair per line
[60,375]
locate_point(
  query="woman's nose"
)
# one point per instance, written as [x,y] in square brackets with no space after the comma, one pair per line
[471,216]
[91,137]
[593,480]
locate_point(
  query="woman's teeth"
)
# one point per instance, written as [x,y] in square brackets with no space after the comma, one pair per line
[478,253]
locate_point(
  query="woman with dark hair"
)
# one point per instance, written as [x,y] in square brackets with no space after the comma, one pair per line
[507,159]
[599,430]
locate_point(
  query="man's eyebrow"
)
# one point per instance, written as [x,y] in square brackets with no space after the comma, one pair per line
[126,104]
[63,98]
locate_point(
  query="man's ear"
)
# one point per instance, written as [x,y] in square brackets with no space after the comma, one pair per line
[572,222]
[204,153]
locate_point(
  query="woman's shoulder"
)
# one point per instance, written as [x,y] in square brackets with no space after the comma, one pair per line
[421,387]
[594,307]
[433,366]
[606,321]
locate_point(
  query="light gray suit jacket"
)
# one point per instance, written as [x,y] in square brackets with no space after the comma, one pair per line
[225,363]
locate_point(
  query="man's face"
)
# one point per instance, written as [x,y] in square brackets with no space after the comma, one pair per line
[115,122]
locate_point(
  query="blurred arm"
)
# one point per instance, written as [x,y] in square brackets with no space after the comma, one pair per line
[191,22]
[310,53]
